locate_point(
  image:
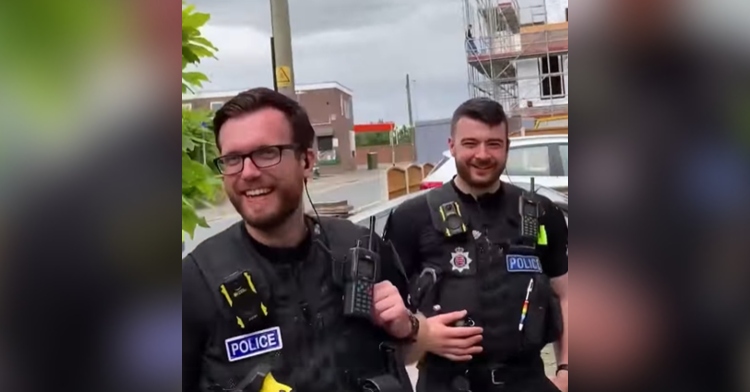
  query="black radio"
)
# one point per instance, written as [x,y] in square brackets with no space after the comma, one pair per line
[528,208]
[361,272]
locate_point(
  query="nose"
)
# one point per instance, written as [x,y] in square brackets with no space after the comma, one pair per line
[249,170]
[482,152]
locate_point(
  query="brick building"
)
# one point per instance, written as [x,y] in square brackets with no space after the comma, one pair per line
[329,106]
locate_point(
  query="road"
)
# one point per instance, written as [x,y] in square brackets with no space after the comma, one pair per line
[359,189]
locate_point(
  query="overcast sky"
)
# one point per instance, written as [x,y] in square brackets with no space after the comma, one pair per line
[366,45]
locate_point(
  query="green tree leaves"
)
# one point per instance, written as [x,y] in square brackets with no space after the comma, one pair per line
[200,184]
[194,46]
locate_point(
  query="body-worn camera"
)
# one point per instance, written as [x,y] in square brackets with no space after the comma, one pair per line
[243,299]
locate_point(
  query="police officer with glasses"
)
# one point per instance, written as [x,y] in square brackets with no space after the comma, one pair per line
[485,254]
[283,301]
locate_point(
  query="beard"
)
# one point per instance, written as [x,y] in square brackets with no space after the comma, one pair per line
[285,203]
[469,176]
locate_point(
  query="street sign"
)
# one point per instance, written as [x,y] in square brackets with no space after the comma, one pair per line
[283,76]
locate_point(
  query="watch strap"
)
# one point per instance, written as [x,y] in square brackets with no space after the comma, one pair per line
[412,337]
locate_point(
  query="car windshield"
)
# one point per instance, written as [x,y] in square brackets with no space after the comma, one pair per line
[441,163]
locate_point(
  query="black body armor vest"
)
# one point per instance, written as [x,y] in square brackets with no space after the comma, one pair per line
[321,349]
[481,269]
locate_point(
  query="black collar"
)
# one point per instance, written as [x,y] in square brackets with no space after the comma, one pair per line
[488,199]
[285,254]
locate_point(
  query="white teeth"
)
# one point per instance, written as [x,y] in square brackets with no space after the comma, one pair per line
[258,192]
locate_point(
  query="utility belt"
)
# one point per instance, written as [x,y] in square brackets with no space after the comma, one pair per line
[481,375]
[396,379]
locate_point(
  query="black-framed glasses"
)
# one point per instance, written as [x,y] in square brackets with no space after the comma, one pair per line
[262,158]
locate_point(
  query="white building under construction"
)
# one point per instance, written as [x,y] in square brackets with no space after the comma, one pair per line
[517,54]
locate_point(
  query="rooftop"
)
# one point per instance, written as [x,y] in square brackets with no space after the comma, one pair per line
[300,88]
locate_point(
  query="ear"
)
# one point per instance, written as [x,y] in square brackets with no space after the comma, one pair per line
[308,162]
[452,146]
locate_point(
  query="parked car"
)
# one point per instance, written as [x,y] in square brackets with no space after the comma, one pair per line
[543,157]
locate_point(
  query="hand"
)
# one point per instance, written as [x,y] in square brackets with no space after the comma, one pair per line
[455,343]
[561,380]
[389,310]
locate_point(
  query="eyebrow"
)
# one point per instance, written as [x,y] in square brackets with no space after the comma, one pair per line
[471,139]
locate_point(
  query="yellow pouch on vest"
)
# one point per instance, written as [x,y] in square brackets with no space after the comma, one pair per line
[542,237]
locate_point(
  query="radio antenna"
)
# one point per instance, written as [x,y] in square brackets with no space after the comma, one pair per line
[372,232]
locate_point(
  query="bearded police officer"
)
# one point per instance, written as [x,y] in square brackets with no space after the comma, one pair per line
[282,301]
[493,255]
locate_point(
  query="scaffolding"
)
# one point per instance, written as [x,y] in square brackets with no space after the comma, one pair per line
[517,55]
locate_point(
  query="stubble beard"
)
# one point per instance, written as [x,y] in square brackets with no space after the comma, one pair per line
[289,203]
[464,171]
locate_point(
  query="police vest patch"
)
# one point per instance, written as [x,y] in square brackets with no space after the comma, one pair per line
[523,263]
[460,260]
[256,343]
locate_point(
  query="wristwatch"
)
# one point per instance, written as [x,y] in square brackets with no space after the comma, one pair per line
[412,337]
[561,368]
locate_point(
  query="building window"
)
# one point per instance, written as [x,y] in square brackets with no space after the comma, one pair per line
[347,108]
[551,75]
[187,106]
[216,106]
[326,150]
[325,143]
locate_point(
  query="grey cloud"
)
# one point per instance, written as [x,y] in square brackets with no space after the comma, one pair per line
[372,58]
[312,16]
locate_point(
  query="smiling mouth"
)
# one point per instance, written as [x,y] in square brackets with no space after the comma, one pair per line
[258,192]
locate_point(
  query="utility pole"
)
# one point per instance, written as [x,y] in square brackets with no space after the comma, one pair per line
[273,64]
[282,48]
[408,100]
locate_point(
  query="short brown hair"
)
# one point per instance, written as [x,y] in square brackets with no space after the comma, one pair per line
[484,110]
[259,98]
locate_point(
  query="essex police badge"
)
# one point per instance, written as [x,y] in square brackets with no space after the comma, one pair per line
[460,260]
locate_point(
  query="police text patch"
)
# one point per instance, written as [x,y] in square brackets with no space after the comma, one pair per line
[256,343]
[523,263]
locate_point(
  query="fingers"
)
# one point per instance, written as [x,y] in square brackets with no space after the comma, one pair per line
[455,358]
[388,305]
[383,290]
[464,343]
[392,314]
[449,318]
[462,351]
[384,303]
[463,332]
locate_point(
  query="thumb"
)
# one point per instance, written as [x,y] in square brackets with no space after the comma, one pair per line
[449,318]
